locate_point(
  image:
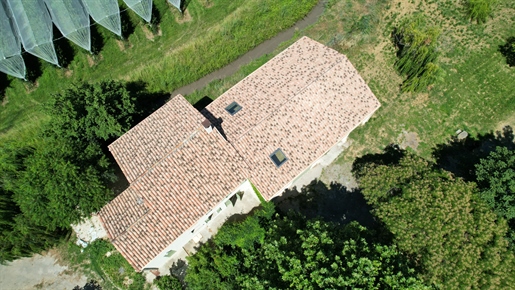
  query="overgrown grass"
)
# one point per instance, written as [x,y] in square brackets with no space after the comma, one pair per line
[476,93]
[184,48]
[102,262]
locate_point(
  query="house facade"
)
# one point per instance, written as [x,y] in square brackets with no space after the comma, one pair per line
[186,166]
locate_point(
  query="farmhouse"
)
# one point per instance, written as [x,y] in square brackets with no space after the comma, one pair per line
[185,167]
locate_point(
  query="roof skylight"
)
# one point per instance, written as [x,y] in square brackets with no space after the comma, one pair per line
[278,157]
[233,108]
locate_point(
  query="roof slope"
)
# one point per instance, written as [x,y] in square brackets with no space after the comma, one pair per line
[148,142]
[263,92]
[303,101]
[177,192]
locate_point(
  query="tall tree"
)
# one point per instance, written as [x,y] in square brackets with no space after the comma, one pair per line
[297,253]
[496,179]
[66,175]
[441,223]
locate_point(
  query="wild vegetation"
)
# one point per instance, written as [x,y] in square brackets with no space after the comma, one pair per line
[465,244]
[418,52]
[480,10]
[288,251]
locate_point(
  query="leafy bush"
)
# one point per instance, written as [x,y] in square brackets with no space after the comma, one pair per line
[479,10]
[168,282]
[417,54]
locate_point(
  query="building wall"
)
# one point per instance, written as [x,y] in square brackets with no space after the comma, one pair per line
[206,229]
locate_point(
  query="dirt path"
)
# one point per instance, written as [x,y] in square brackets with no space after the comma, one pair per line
[38,272]
[266,47]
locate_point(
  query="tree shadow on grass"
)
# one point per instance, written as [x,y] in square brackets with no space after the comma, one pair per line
[391,155]
[127,26]
[332,203]
[97,41]
[63,48]
[5,82]
[460,156]
[184,5]
[146,102]
[508,51]
[32,67]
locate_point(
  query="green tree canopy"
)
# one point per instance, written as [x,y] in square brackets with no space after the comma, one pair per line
[441,223]
[417,42]
[496,178]
[296,253]
[64,177]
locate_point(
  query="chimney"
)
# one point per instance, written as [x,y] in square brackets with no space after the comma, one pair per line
[207,125]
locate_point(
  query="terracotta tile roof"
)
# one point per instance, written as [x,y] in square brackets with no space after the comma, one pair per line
[303,101]
[176,192]
[149,141]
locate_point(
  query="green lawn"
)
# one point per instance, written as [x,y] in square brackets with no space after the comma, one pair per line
[184,48]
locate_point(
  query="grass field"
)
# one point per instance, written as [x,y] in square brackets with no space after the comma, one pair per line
[477,93]
[183,48]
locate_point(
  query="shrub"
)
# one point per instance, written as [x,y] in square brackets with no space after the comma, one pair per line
[479,10]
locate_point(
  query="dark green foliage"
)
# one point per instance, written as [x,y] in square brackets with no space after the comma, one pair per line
[508,50]
[496,180]
[441,223]
[19,235]
[296,253]
[65,177]
[168,282]
[479,10]
[417,43]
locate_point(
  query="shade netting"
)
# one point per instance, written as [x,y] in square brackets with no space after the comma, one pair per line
[11,61]
[176,4]
[105,13]
[142,7]
[71,18]
[34,25]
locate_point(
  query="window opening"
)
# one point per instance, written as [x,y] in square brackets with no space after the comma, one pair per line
[170,253]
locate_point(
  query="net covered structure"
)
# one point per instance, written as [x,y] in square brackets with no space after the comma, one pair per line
[11,61]
[71,18]
[29,23]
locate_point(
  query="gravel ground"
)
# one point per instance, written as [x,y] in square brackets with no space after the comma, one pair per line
[38,272]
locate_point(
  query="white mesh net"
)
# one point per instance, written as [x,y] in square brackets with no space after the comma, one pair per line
[34,26]
[11,61]
[142,7]
[176,4]
[105,13]
[71,18]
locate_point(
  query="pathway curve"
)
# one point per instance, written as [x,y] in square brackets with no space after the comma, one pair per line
[264,48]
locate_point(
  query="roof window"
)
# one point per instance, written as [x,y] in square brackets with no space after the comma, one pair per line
[278,157]
[233,108]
